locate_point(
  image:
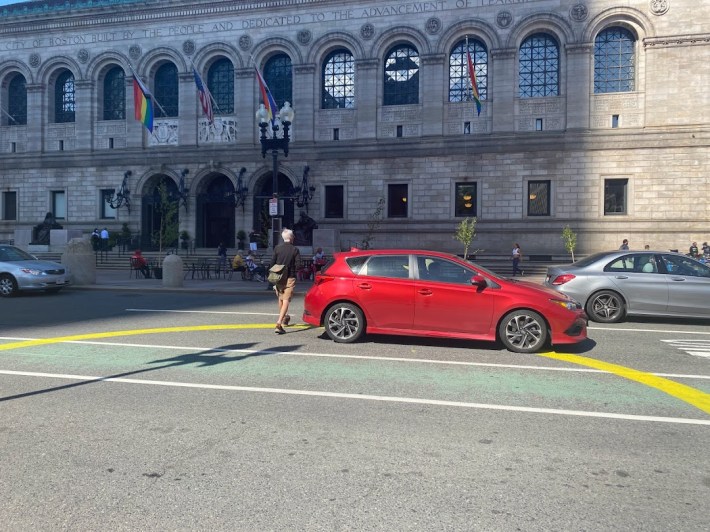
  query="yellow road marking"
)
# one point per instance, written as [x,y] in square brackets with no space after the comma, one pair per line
[685,393]
[136,332]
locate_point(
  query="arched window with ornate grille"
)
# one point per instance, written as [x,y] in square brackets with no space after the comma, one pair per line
[539,67]
[220,82]
[401,76]
[16,102]
[64,98]
[278,74]
[115,94]
[166,91]
[459,82]
[338,78]
[614,61]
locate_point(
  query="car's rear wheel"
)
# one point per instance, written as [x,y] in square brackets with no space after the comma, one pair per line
[344,323]
[8,285]
[606,307]
[523,331]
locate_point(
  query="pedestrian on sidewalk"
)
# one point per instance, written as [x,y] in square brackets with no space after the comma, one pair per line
[288,255]
[517,257]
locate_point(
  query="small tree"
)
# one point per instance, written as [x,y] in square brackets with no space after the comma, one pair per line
[569,237]
[373,224]
[465,233]
[166,209]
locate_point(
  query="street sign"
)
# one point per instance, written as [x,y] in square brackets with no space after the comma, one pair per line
[273,207]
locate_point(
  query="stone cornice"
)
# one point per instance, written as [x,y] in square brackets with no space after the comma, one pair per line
[677,40]
[504,53]
[579,48]
[309,68]
[366,64]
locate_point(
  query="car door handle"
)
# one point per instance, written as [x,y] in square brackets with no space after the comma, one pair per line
[677,279]
[425,292]
[622,276]
[365,286]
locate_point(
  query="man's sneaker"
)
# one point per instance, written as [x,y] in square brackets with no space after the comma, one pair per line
[286,320]
[279,329]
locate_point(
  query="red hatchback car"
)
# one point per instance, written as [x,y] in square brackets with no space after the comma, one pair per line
[427,293]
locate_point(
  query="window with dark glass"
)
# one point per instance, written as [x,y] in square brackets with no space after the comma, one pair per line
[539,69]
[278,74]
[220,82]
[397,199]
[614,61]
[107,212]
[115,94]
[64,98]
[615,196]
[166,91]
[538,198]
[465,199]
[9,205]
[339,81]
[59,204]
[459,79]
[401,80]
[16,102]
[334,201]
[395,266]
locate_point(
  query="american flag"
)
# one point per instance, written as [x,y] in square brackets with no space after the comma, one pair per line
[205,97]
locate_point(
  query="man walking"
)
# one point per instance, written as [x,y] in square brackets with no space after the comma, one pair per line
[104,239]
[288,255]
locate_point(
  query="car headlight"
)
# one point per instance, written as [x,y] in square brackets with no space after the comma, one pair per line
[569,304]
[31,271]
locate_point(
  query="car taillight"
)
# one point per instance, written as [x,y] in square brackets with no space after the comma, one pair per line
[562,279]
[320,279]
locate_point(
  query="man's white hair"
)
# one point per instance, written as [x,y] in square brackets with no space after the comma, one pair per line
[287,235]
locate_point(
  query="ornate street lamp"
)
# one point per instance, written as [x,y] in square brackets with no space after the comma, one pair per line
[123,196]
[304,191]
[274,143]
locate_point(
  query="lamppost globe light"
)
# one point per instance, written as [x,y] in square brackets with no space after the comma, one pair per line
[286,114]
[262,116]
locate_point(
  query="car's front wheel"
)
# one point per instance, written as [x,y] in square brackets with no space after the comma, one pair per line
[523,331]
[606,307]
[344,323]
[8,285]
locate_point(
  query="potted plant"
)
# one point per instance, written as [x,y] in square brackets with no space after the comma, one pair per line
[241,238]
[184,240]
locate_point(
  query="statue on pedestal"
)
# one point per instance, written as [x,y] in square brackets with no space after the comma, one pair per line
[40,232]
[303,229]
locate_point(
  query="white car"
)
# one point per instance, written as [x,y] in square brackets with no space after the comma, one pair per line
[21,271]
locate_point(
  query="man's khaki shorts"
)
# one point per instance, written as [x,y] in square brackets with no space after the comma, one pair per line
[285,292]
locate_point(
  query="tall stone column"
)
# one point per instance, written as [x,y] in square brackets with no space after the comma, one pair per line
[504,89]
[36,116]
[432,85]
[245,106]
[579,83]
[304,86]
[135,131]
[366,94]
[190,109]
[85,113]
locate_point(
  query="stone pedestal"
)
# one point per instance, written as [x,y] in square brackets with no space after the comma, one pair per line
[328,239]
[23,237]
[59,238]
[173,271]
[80,262]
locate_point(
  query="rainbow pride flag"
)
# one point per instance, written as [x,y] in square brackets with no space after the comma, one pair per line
[472,79]
[143,103]
[266,97]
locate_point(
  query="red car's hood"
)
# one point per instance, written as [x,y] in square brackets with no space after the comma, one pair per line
[542,290]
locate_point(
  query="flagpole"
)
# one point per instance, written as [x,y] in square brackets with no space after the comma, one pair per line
[152,97]
[8,115]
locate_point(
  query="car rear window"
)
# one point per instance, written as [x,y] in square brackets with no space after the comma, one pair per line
[394,266]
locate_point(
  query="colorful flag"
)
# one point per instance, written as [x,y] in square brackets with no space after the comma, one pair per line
[266,97]
[205,97]
[472,81]
[143,103]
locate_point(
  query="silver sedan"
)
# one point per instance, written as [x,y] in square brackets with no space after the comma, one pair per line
[614,284]
[21,271]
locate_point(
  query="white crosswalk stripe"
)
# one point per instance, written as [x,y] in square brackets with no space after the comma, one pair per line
[696,348]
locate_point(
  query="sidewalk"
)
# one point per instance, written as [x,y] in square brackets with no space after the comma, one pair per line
[119,280]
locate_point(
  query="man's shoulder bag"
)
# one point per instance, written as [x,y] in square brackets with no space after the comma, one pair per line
[276,273]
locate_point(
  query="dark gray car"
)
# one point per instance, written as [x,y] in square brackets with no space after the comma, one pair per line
[614,284]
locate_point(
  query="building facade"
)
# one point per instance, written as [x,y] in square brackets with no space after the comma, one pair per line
[595,114]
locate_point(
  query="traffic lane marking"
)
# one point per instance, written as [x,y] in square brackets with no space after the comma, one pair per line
[685,393]
[660,331]
[362,397]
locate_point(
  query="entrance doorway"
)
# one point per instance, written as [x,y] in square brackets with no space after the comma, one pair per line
[262,195]
[215,213]
[160,214]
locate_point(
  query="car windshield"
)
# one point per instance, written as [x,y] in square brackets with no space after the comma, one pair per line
[13,254]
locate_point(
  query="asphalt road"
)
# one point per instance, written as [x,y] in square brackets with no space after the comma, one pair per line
[183,411]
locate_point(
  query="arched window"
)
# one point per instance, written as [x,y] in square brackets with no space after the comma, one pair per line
[459,82]
[115,94]
[401,81]
[539,73]
[166,91]
[339,81]
[17,102]
[220,82]
[614,61]
[278,75]
[64,101]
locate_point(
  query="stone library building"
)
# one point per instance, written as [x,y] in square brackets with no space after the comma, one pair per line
[384,123]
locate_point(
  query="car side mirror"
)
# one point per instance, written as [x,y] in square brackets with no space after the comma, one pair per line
[479,280]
